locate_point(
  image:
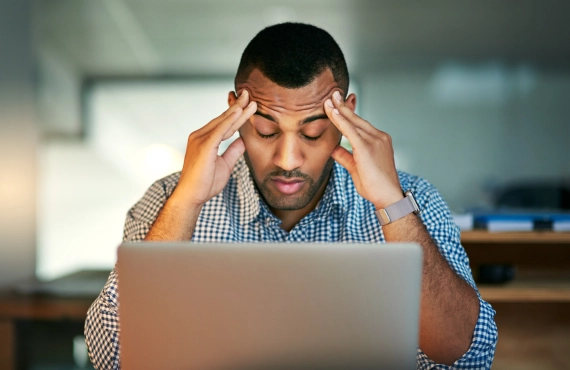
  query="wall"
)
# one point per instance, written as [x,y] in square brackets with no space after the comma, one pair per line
[17,144]
[470,128]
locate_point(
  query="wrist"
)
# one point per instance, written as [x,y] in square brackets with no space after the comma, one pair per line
[388,199]
[182,202]
[398,209]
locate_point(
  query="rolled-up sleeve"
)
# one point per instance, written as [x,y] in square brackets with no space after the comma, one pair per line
[482,349]
[439,222]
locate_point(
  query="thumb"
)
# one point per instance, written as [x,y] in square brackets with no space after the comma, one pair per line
[345,158]
[233,152]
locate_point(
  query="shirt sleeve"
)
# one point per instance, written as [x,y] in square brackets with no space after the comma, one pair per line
[102,322]
[437,218]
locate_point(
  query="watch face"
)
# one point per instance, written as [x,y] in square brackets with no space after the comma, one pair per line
[410,195]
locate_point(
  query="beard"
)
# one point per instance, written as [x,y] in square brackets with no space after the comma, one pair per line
[289,202]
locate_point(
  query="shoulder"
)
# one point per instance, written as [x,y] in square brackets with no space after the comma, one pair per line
[154,198]
[165,185]
[426,194]
[415,183]
[435,212]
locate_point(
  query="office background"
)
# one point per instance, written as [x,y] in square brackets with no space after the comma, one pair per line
[97,99]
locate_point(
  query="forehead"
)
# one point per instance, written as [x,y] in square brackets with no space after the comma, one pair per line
[267,94]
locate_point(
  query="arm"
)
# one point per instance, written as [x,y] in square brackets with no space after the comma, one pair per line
[449,306]
[446,237]
[175,221]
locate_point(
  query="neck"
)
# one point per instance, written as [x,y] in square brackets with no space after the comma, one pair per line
[291,218]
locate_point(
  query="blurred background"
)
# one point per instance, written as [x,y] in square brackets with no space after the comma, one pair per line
[97,98]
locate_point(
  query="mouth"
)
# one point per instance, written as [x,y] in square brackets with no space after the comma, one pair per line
[288,186]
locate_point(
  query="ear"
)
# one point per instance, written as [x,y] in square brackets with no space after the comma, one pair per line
[350,102]
[232,97]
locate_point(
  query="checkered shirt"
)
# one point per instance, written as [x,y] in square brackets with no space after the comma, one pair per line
[238,214]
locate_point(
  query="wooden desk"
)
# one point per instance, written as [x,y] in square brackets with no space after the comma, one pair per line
[14,308]
[533,311]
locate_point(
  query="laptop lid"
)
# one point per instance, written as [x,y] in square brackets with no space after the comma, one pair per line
[268,306]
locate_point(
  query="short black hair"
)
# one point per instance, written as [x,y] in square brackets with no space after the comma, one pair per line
[292,55]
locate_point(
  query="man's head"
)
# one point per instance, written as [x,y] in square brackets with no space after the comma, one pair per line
[290,70]
[292,55]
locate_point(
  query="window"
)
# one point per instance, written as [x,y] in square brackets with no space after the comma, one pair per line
[136,133]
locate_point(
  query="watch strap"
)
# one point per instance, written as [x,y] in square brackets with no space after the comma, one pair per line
[398,210]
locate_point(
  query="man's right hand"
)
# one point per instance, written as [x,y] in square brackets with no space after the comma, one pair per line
[204,174]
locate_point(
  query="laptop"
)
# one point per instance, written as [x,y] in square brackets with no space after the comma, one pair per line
[237,306]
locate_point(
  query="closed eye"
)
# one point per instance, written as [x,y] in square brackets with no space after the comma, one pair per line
[266,136]
[312,138]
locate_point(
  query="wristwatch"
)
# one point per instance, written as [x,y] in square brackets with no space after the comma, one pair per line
[399,209]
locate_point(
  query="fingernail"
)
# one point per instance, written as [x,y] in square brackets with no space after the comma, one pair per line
[243,93]
[329,103]
[337,96]
[335,111]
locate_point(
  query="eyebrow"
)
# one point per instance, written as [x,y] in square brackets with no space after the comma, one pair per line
[303,122]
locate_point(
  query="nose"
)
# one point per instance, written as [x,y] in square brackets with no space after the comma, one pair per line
[288,155]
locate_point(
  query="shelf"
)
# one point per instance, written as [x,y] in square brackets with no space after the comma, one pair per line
[548,237]
[536,287]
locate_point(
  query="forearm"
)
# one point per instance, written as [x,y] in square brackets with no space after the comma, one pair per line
[449,306]
[175,222]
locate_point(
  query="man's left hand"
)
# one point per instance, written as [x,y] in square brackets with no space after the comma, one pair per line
[371,163]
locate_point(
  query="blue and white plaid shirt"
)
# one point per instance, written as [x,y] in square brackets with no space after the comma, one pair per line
[238,214]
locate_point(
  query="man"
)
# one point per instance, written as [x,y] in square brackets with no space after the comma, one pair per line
[287,179]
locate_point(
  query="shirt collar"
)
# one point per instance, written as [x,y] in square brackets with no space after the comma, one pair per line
[245,204]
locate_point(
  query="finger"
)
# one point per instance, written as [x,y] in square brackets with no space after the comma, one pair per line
[345,158]
[233,152]
[216,135]
[350,131]
[240,103]
[243,99]
[349,114]
[246,114]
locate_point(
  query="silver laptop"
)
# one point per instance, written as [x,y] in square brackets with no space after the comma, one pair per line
[268,306]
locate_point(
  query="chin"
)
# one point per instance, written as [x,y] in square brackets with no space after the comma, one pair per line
[293,202]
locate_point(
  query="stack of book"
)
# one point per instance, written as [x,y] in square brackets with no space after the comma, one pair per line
[498,221]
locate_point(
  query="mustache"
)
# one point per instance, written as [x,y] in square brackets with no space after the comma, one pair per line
[288,174]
